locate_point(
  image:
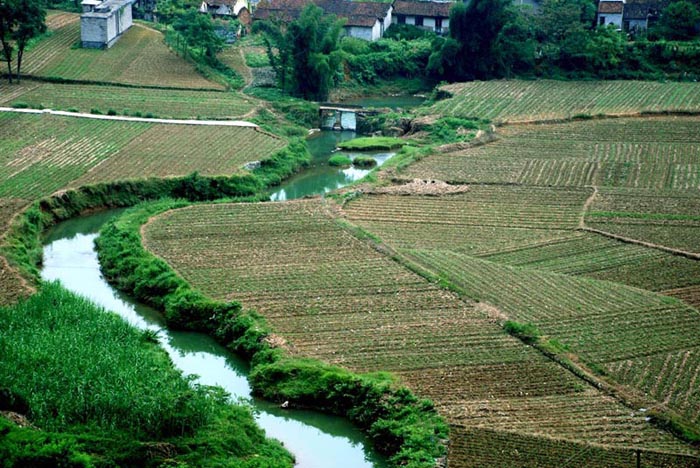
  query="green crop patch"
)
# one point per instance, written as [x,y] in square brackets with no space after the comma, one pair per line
[543,100]
[140,57]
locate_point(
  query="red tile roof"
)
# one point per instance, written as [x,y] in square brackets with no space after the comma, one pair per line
[423,8]
[611,7]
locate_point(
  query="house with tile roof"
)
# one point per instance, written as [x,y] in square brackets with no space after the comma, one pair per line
[639,15]
[432,15]
[364,20]
[610,12]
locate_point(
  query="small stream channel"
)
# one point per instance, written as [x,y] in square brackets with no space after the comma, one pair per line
[317,440]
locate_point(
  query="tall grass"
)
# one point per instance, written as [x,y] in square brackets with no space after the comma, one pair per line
[99,385]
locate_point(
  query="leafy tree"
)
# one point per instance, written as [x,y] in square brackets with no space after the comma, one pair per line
[308,55]
[20,21]
[198,32]
[678,21]
[477,47]
[564,30]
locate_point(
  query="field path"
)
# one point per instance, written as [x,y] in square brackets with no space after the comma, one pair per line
[586,206]
[213,123]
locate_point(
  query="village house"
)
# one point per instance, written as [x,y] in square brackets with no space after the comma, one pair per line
[610,12]
[431,15]
[364,20]
[103,22]
[640,15]
[239,9]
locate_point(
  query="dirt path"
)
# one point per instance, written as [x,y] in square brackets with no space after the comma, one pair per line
[586,206]
[212,123]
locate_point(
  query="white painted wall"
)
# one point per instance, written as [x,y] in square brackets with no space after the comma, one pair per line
[611,18]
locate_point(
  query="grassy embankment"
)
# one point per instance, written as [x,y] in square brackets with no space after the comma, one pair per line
[401,426]
[100,393]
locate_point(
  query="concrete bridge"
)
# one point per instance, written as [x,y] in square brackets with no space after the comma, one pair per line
[342,116]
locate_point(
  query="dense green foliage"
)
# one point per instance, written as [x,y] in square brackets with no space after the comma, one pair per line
[369,62]
[407,429]
[20,21]
[493,39]
[305,52]
[126,400]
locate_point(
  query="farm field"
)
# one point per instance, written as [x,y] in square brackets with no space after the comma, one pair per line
[176,104]
[140,57]
[669,218]
[43,153]
[600,321]
[334,297]
[516,101]
[660,153]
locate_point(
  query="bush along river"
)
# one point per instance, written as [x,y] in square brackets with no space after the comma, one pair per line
[317,440]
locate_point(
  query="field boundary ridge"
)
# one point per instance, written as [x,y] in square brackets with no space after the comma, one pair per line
[212,123]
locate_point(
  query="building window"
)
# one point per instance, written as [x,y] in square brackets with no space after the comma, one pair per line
[602,20]
[419,21]
[401,19]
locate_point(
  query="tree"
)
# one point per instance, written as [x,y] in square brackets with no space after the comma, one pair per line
[198,32]
[678,21]
[308,55]
[31,23]
[20,21]
[477,47]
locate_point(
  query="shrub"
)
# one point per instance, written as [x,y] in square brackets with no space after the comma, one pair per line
[95,111]
[364,161]
[111,112]
[20,105]
[526,332]
[339,160]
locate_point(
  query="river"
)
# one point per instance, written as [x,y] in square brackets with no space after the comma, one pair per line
[317,440]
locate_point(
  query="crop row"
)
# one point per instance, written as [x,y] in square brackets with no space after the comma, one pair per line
[600,321]
[65,33]
[176,150]
[478,447]
[518,101]
[162,103]
[673,378]
[658,153]
[140,57]
[598,257]
[333,297]
[40,154]
[506,206]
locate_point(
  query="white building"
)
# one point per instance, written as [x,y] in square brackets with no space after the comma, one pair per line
[431,15]
[104,21]
[610,12]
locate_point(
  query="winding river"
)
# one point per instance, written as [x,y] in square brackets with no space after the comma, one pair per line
[317,440]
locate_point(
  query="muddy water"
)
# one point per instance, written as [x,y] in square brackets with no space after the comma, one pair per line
[315,439]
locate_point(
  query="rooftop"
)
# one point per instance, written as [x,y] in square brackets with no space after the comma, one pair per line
[423,8]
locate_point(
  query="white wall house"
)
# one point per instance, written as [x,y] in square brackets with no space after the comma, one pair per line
[103,22]
[370,28]
[610,12]
[432,15]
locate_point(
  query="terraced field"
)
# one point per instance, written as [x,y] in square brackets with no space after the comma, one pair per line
[541,100]
[177,104]
[652,153]
[669,218]
[42,153]
[333,297]
[599,321]
[153,65]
